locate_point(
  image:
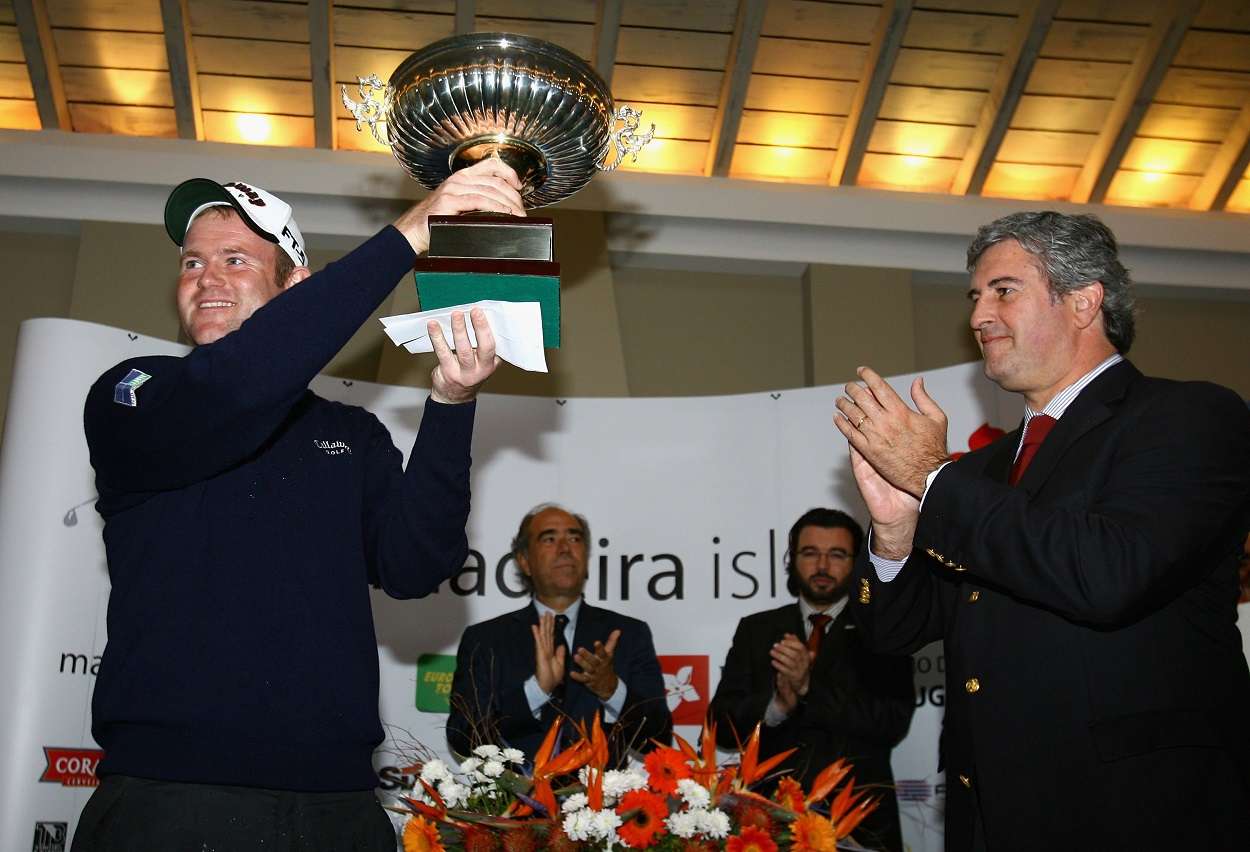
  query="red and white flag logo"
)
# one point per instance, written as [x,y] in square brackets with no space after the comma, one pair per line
[685,687]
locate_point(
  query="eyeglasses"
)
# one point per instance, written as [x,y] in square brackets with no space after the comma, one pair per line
[812,554]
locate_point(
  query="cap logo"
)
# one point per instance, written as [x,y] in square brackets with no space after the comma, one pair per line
[295,246]
[249,192]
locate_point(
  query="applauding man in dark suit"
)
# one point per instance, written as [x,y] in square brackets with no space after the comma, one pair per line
[802,670]
[1082,570]
[557,657]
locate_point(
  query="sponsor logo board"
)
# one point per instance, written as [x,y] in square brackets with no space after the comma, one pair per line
[71,767]
[686,687]
[434,673]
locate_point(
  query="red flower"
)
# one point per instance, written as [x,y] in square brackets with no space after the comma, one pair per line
[642,815]
[790,795]
[520,840]
[697,846]
[665,767]
[478,838]
[753,816]
[751,840]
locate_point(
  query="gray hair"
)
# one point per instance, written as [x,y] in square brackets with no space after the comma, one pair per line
[1073,252]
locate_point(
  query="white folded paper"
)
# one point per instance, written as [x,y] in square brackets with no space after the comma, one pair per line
[517,326]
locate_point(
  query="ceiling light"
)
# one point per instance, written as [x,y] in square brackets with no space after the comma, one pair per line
[253,128]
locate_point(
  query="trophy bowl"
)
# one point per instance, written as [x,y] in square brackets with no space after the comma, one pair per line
[538,107]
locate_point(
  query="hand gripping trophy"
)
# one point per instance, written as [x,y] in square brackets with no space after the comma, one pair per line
[536,106]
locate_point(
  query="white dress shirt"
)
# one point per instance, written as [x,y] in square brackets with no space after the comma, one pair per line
[534,694]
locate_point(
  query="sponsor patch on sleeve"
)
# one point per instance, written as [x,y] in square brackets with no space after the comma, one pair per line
[124,392]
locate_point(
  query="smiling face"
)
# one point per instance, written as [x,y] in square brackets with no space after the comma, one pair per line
[1030,340]
[556,557]
[823,557]
[227,272]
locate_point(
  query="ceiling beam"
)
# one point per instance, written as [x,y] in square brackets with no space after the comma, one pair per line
[1004,95]
[1227,167]
[45,72]
[321,65]
[882,53]
[607,31]
[734,84]
[466,14]
[183,77]
[1134,98]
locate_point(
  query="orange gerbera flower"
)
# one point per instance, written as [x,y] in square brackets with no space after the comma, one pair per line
[642,814]
[665,767]
[421,835]
[790,795]
[813,833]
[751,840]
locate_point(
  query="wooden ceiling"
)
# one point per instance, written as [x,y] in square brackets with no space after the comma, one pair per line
[1133,102]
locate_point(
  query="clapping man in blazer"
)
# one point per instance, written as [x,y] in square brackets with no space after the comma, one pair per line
[802,669]
[556,657]
[1081,570]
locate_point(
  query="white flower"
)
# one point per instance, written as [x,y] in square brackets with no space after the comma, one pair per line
[714,823]
[434,771]
[513,755]
[454,794]
[684,824]
[617,783]
[577,825]
[492,769]
[694,794]
[575,802]
[486,752]
[470,764]
[604,823]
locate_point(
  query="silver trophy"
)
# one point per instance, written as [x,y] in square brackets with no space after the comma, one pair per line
[538,107]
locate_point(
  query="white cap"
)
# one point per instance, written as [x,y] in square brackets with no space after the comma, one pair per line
[265,213]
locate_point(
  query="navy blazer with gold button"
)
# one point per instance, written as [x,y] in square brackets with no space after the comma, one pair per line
[1097,693]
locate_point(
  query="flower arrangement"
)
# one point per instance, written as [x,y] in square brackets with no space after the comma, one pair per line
[679,799]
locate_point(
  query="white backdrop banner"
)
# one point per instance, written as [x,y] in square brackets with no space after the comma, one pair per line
[689,502]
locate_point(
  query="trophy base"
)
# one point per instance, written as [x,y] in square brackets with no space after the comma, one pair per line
[487,235]
[442,282]
[527,161]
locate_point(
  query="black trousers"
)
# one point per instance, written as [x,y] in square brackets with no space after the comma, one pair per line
[139,815]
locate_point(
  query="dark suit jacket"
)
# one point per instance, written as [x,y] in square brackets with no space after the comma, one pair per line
[858,707]
[1097,692]
[496,657]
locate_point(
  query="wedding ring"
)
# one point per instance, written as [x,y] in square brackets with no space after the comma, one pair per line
[861,421]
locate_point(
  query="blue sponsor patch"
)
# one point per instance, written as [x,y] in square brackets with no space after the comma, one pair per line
[124,393]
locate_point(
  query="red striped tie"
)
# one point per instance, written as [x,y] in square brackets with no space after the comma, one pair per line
[1039,427]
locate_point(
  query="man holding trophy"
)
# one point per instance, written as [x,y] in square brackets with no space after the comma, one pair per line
[245,518]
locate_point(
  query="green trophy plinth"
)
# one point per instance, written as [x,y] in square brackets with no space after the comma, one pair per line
[480,256]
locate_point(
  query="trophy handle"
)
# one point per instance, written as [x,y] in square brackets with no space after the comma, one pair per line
[626,138]
[371,110]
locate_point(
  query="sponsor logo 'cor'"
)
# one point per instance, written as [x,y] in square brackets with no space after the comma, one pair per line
[71,767]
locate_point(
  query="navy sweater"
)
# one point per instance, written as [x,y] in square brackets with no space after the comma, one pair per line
[245,519]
